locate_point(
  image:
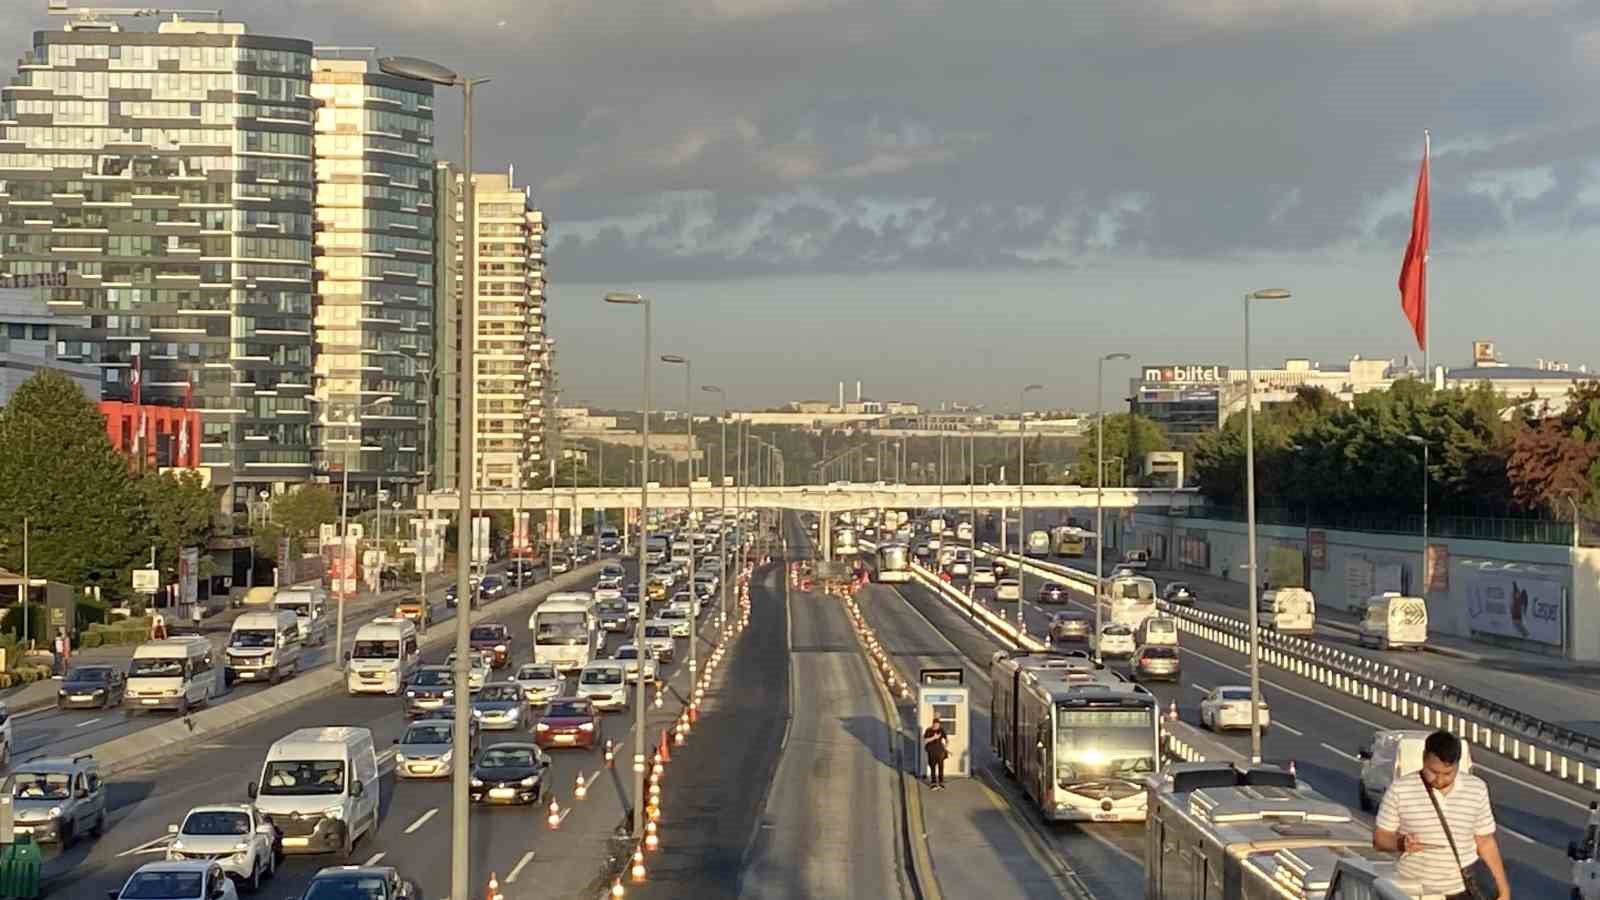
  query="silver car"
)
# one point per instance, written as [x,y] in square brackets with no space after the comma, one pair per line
[628,655]
[678,618]
[234,835]
[499,706]
[604,683]
[426,750]
[540,683]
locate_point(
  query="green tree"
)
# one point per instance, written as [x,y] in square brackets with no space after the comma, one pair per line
[176,510]
[59,471]
[302,511]
[1128,438]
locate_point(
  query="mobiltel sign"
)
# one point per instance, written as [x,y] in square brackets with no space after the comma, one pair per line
[1192,374]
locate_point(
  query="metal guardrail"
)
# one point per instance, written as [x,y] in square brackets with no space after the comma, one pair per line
[1553,749]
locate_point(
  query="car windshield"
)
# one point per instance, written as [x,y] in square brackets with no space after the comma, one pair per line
[658,631]
[431,733]
[89,675]
[674,612]
[346,887]
[536,672]
[432,678]
[1236,694]
[507,757]
[499,692]
[290,778]
[375,650]
[155,667]
[607,675]
[253,637]
[217,823]
[41,786]
[485,633]
[162,886]
[1177,586]
[627,653]
[568,708]
[562,629]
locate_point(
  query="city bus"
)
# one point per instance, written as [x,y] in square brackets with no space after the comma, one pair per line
[1130,600]
[1077,737]
[565,632]
[894,563]
[1069,541]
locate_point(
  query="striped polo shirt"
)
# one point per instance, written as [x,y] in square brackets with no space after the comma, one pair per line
[1406,810]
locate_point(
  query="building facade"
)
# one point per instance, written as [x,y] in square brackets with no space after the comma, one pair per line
[1194,399]
[373,346]
[28,342]
[168,175]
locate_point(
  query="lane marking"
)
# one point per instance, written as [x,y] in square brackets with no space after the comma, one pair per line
[1516,834]
[154,845]
[1200,687]
[1292,730]
[521,864]
[374,859]
[1337,752]
[421,821]
[88,723]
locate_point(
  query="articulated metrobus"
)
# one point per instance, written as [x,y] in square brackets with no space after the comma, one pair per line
[894,563]
[1078,738]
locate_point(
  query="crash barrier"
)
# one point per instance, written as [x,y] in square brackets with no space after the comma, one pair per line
[1550,748]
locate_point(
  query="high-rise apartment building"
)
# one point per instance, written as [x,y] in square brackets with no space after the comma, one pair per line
[374,221]
[168,174]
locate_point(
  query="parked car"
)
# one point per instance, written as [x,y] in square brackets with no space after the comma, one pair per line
[568,722]
[96,687]
[237,837]
[509,773]
[1228,706]
[186,880]
[1156,662]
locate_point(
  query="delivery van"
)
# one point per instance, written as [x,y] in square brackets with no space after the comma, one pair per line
[1392,620]
[381,660]
[264,646]
[173,673]
[320,786]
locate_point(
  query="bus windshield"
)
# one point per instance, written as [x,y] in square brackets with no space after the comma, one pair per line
[375,650]
[1099,744]
[562,629]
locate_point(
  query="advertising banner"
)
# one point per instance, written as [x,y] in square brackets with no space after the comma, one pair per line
[1193,550]
[1436,569]
[480,540]
[189,575]
[1359,582]
[1514,606]
[519,534]
[1317,541]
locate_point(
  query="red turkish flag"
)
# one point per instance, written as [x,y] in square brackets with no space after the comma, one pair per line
[1414,269]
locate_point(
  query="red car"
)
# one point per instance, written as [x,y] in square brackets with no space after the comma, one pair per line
[568,722]
[494,641]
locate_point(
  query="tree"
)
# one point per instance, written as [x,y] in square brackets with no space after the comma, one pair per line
[1127,438]
[176,512]
[302,511]
[59,470]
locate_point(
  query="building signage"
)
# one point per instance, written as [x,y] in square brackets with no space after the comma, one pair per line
[1483,353]
[1317,540]
[1514,606]
[146,581]
[35,280]
[1191,374]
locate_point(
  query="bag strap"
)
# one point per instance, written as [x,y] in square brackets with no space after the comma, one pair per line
[1442,821]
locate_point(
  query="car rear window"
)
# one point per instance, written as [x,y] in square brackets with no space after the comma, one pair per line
[1161,653]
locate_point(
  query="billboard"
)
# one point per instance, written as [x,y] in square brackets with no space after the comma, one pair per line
[1483,353]
[1436,568]
[552,526]
[189,575]
[1317,542]
[519,534]
[1514,605]
[1185,374]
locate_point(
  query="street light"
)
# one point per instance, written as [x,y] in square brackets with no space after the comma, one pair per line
[1022,501]
[1099,487]
[722,529]
[629,299]
[1250,520]
[344,533]
[460,807]
[1423,442]
[673,359]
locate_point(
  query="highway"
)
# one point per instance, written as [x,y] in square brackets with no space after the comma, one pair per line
[1320,731]
[514,843]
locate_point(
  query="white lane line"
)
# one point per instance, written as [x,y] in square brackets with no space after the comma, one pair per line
[1516,834]
[1294,731]
[88,723]
[1337,752]
[521,864]
[1199,687]
[374,859]
[154,845]
[421,821]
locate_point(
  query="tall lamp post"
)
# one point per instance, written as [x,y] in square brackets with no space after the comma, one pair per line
[722,513]
[644,538]
[460,807]
[672,359]
[1423,442]
[1100,488]
[1250,519]
[1022,479]
[344,534]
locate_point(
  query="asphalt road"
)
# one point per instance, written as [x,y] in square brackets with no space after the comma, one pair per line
[414,834]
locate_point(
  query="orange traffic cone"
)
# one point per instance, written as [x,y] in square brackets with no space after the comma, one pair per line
[666,752]
[494,888]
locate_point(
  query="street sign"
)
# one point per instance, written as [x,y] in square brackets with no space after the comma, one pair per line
[146,581]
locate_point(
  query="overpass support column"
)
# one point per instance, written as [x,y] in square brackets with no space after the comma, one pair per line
[825,535]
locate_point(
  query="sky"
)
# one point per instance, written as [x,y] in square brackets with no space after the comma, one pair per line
[947,200]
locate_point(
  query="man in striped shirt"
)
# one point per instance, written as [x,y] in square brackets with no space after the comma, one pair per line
[1407,823]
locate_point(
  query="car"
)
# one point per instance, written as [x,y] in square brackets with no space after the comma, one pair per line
[186,880]
[1178,593]
[478,669]
[613,615]
[604,682]
[361,883]
[1228,706]
[430,688]
[57,799]
[498,707]
[509,773]
[704,590]
[922,550]
[658,637]
[451,599]
[1391,754]
[427,749]
[540,683]
[1008,589]
[568,721]
[494,641]
[92,687]
[1115,640]
[677,617]
[418,610]
[982,575]
[493,587]
[560,563]
[628,655]
[610,581]
[1001,566]
[522,571]
[1052,592]
[655,590]
[960,564]
[236,836]
[1071,625]
[1156,662]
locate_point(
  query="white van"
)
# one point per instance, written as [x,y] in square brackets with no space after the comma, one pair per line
[1392,620]
[320,786]
[310,604]
[565,630]
[1290,610]
[382,658]
[1159,631]
[172,673]
[264,646]
[1393,755]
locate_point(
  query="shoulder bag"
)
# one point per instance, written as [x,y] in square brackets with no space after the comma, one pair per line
[1477,878]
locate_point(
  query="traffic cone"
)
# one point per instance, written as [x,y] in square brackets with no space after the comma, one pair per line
[494,888]
[666,751]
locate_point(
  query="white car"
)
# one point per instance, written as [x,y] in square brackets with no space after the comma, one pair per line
[233,835]
[540,683]
[658,637]
[1009,589]
[1115,640]
[982,574]
[178,880]
[628,655]
[602,594]
[477,669]
[604,683]
[678,618]
[1229,707]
